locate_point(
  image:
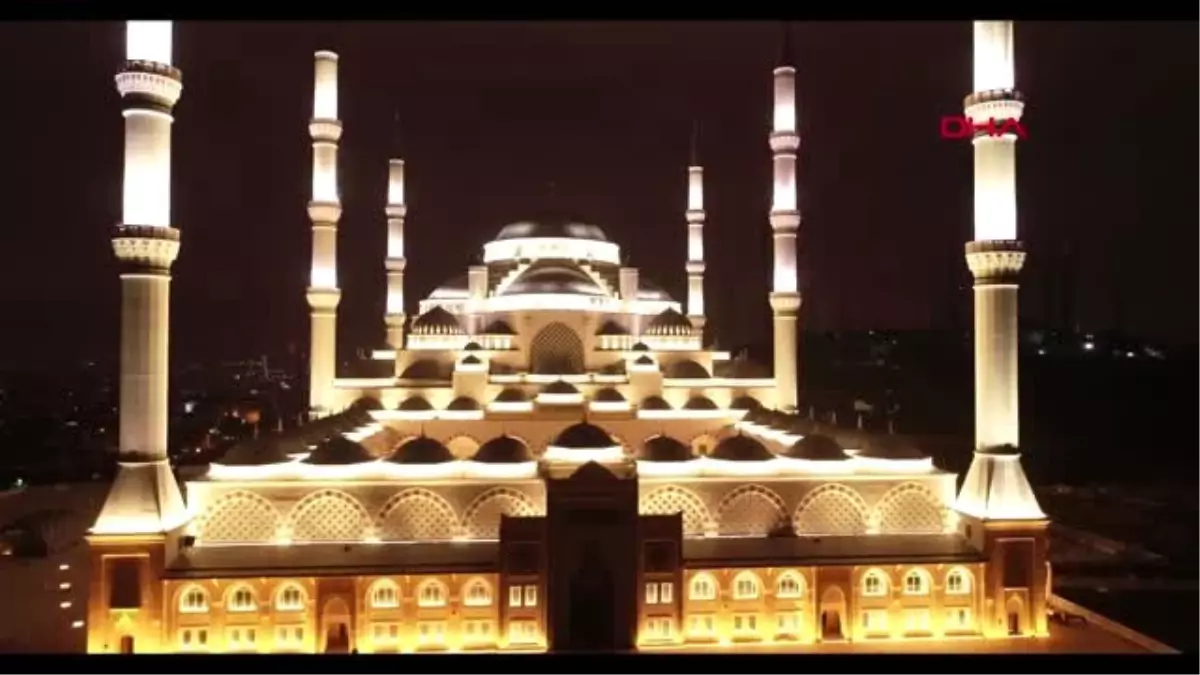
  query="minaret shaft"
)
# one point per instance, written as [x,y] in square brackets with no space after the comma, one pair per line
[785,221]
[325,211]
[395,263]
[695,245]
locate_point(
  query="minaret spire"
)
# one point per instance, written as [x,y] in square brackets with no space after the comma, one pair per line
[785,222]
[325,210]
[695,223]
[395,210]
[144,498]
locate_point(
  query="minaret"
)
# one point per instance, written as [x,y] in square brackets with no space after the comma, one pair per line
[695,223]
[394,314]
[785,221]
[144,498]
[324,210]
[998,509]
[996,486]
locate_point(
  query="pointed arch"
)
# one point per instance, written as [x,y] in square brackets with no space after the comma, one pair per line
[481,520]
[671,499]
[238,517]
[831,510]
[417,514]
[909,508]
[556,350]
[751,510]
[329,515]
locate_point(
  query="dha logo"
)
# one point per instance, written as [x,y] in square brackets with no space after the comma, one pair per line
[956,127]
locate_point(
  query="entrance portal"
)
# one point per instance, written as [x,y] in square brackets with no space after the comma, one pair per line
[591,624]
[831,625]
[1014,609]
[335,622]
[126,644]
[833,609]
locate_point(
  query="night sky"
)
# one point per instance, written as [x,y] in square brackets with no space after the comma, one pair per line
[493,112]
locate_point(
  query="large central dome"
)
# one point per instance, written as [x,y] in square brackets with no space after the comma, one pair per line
[551,227]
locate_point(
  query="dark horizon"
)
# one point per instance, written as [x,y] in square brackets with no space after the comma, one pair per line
[491,113]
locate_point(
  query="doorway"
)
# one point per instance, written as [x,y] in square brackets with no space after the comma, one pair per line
[833,611]
[1014,610]
[831,625]
[591,624]
[126,644]
[335,620]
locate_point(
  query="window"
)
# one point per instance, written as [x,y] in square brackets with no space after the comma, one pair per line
[193,640]
[788,623]
[290,599]
[701,626]
[522,632]
[241,599]
[874,621]
[660,628]
[745,624]
[477,631]
[874,584]
[514,596]
[745,586]
[531,595]
[914,583]
[916,621]
[193,601]
[431,633]
[652,593]
[666,592]
[431,594]
[958,619]
[703,587]
[385,635]
[790,586]
[385,595]
[478,594]
[956,583]
[289,637]
[241,639]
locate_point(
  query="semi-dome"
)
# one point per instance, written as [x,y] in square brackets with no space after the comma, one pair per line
[648,290]
[583,436]
[503,449]
[437,321]
[611,328]
[472,347]
[608,395]
[544,278]
[498,327]
[669,322]
[643,360]
[686,369]
[457,288]
[338,450]
[741,448]
[551,226]
[640,347]
[426,369]
[744,403]
[463,403]
[700,403]
[415,404]
[655,403]
[471,360]
[257,452]
[421,450]
[817,448]
[560,387]
[889,446]
[663,448]
[510,395]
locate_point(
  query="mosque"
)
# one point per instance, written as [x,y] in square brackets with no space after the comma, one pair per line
[559,461]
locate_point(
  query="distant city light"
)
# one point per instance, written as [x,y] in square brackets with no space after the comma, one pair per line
[1089,346]
[1129,355]
[1041,352]
[188,407]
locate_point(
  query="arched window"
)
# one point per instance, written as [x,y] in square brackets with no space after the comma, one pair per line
[703,587]
[790,585]
[193,601]
[241,599]
[874,584]
[916,583]
[746,586]
[477,594]
[385,594]
[958,582]
[431,594]
[290,598]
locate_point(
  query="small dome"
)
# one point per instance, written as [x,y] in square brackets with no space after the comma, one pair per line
[457,288]
[258,452]
[473,347]
[583,436]
[685,370]
[759,416]
[643,360]
[421,450]
[543,278]
[471,360]
[339,450]
[608,395]
[551,226]
[648,290]
[415,404]
[640,347]
[670,322]
[741,448]
[745,403]
[366,403]
[463,403]
[780,421]
[437,321]
[426,369]
[503,449]
[655,403]
[803,426]
[499,327]
[560,387]
[663,448]
[816,448]
[611,327]
[700,403]
[510,395]
[888,446]
[743,369]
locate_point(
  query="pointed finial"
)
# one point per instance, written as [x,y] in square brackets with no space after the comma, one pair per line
[693,152]
[785,45]
[397,137]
